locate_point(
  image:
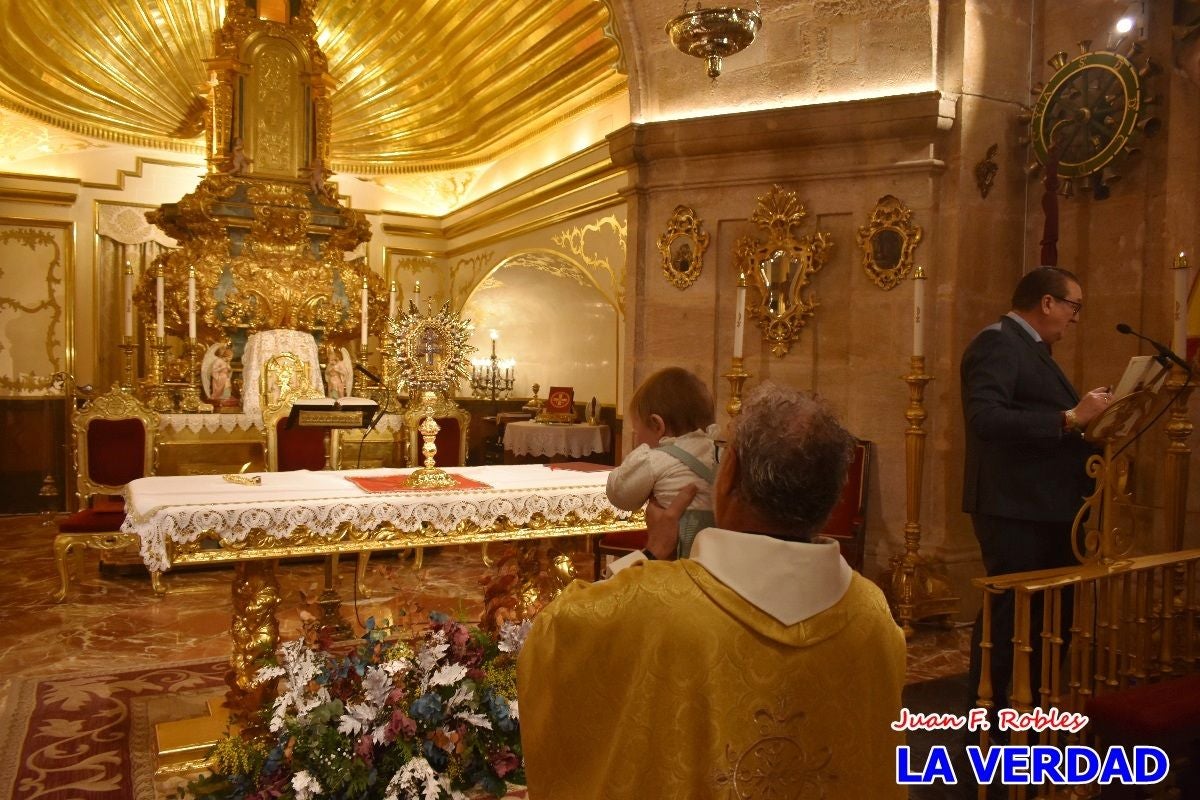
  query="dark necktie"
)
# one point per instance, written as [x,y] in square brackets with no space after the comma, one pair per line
[1046,345]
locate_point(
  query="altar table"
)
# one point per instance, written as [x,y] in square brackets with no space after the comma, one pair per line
[206,519]
[547,439]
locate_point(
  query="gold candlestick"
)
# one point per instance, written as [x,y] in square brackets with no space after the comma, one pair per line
[128,363]
[160,396]
[915,592]
[189,396]
[737,378]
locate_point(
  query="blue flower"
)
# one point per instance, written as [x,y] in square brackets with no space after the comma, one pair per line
[436,756]
[498,708]
[427,708]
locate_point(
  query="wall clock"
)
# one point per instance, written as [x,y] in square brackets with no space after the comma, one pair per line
[1093,108]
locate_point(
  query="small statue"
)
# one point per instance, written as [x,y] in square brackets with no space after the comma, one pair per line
[216,372]
[339,373]
[316,179]
[238,160]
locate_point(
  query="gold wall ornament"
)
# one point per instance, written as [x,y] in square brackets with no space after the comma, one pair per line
[781,267]
[682,247]
[888,242]
[985,171]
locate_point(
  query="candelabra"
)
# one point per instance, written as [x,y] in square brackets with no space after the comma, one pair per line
[128,363]
[492,377]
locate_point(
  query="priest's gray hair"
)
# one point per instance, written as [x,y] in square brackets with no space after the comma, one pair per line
[792,455]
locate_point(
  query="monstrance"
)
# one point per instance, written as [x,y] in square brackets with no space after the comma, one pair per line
[429,354]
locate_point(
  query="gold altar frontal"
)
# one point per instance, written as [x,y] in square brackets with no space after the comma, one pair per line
[205,519]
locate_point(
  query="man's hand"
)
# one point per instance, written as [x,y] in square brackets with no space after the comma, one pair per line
[1092,404]
[662,524]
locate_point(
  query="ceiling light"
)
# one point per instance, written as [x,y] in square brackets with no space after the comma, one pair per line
[1124,25]
[714,33]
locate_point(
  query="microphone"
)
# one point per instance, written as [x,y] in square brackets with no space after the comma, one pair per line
[360,368]
[1165,353]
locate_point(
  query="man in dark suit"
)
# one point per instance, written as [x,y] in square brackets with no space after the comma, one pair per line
[1024,479]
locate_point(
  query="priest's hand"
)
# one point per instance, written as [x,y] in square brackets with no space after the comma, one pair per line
[662,524]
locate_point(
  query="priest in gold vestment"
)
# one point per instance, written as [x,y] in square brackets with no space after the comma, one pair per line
[763,666]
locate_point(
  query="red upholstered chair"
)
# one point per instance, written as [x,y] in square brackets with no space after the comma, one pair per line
[847,521]
[285,379]
[114,438]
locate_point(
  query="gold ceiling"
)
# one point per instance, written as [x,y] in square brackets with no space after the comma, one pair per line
[422,85]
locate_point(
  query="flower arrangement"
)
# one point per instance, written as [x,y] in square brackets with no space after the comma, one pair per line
[384,722]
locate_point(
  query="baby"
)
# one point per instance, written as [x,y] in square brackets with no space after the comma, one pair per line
[671,414]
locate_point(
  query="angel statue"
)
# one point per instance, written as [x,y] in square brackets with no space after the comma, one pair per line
[339,373]
[216,372]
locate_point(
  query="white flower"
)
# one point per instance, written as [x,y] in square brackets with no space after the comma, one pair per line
[513,711]
[448,675]
[512,635]
[377,685]
[462,694]
[414,780]
[472,718]
[305,785]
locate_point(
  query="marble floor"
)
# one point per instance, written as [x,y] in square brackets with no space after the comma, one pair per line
[110,620]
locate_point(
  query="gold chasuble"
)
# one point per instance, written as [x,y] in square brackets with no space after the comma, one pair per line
[723,701]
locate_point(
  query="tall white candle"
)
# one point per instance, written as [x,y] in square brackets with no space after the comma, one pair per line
[128,300]
[1182,283]
[918,281]
[192,303]
[392,301]
[739,317]
[160,326]
[364,313]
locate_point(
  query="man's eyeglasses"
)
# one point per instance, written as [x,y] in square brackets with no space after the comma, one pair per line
[1076,306]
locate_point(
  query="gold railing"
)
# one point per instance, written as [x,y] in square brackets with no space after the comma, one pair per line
[1103,628]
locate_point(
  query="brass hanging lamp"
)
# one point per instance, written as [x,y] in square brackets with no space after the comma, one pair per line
[714,33]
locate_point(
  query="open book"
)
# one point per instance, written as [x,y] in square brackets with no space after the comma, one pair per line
[1143,372]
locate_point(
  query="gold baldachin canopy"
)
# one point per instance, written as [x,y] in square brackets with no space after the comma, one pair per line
[421,84]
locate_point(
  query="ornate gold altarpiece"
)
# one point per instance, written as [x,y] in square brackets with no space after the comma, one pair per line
[269,243]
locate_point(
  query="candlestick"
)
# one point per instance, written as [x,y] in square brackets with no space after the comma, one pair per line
[1182,281]
[160,327]
[739,317]
[128,300]
[192,303]
[392,301]
[918,281]
[364,313]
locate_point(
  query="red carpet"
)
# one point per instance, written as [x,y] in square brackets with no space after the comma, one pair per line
[89,735]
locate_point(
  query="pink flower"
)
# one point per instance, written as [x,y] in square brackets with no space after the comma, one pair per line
[504,761]
[401,726]
[365,749]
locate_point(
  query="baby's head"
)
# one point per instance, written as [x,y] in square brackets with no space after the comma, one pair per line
[671,402]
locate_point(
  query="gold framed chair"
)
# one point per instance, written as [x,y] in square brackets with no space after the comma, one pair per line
[285,379]
[118,426]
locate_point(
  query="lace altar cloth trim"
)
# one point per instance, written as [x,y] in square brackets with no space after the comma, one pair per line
[211,423]
[539,439]
[180,508]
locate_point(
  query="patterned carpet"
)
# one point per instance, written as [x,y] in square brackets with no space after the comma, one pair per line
[91,735]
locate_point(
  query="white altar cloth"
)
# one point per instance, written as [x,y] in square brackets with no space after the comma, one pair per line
[541,439]
[179,509]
